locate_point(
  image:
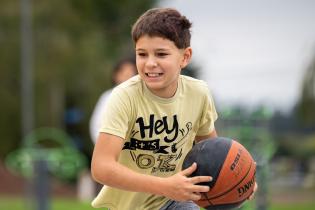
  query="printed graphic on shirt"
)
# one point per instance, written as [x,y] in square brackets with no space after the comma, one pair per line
[165,151]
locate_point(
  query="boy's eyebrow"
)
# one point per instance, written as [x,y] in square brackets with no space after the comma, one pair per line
[162,49]
[158,49]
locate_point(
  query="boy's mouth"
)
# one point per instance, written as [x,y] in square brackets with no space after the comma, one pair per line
[153,74]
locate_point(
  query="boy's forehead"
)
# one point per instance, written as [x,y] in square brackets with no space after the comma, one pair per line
[147,40]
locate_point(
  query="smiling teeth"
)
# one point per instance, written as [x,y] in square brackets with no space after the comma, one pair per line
[153,74]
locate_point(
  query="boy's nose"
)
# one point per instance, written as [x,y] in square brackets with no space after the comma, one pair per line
[152,63]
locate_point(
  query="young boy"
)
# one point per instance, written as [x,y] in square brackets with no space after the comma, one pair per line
[152,121]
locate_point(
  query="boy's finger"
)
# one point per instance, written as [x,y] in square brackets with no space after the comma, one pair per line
[189,170]
[198,179]
[200,188]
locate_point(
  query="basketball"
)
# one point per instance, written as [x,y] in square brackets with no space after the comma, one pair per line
[230,165]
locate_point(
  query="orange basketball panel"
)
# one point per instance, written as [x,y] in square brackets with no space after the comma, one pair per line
[240,192]
[234,169]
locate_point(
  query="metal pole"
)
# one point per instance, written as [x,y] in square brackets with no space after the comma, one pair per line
[41,184]
[26,68]
[27,114]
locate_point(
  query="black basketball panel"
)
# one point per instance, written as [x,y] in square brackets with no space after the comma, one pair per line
[209,155]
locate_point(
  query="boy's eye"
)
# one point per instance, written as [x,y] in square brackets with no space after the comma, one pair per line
[141,54]
[162,54]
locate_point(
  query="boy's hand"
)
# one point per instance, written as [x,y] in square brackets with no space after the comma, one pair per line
[255,189]
[253,194]
[179,187]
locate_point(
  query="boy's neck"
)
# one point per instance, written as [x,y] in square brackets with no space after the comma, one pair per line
[164,94]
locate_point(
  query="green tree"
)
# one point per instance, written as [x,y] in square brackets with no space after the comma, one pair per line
[75,44]
[306,104]
[9,76]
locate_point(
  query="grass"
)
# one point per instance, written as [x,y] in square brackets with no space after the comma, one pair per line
[15,203]
[301,206]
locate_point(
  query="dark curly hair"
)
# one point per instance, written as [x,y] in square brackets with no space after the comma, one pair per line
[166,23]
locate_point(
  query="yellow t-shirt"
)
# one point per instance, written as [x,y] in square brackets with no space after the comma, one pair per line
[158,134]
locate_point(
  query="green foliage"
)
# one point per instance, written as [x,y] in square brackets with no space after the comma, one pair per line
[300,147]
[306,104]
[75,44]
[250,128]
[9,76]
[52,146]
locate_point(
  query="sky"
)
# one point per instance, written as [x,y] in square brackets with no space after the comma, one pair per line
[251,52]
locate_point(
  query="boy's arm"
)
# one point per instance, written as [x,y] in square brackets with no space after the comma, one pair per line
[107,170]
[212,134]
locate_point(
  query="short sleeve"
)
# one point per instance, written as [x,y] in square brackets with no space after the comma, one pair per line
[117,114]
[208,117]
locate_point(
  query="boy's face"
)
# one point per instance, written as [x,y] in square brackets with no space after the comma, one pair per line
[159,63]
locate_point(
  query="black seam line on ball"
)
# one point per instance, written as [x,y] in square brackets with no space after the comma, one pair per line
[232,188]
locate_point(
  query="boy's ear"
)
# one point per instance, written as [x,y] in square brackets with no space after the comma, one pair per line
[186,57]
